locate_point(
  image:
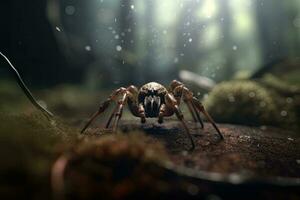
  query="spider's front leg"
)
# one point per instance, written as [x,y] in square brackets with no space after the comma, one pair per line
[130,97]
[173,105]
[104,106]
[135,108]
[179,88]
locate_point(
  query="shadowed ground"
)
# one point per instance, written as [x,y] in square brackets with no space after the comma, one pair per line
[254,151]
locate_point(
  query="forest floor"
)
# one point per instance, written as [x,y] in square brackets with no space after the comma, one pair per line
[261,152]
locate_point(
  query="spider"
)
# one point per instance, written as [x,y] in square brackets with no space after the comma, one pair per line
[154,100]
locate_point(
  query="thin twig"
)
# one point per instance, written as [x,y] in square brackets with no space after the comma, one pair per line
[27,92]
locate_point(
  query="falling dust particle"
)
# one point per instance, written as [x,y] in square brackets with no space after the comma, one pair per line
[88,48]
[118,48]
[58,29]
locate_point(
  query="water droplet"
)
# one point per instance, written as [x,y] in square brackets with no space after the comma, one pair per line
[234,48]
[165,32]
[132,7]
[290,139]
[262,104]
[283,113]
[176,60]
[289,100]
[118,48]
[251,94]
[190,40]
[116,37]
[88,48]
[70,10]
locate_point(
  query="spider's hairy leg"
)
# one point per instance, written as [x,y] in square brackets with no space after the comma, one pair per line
[191,110]
[119,111]
[142,114]
[132,96]
[201,108]
[172,104]
[180,91]
[188,99]
[111,116]
[135,108]
[104,106]
[162,111]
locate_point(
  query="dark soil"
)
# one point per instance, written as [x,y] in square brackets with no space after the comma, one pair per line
[250,163]
[254,151]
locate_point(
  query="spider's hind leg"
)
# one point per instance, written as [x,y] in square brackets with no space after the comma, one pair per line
[201,108]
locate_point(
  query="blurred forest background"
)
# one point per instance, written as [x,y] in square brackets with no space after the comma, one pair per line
[104,43]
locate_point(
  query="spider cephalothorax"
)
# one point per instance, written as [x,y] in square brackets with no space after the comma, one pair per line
[152,96]
[154,100]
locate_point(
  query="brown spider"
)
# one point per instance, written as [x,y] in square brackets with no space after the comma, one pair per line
[154,100]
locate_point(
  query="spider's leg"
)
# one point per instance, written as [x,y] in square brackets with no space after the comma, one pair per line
[111,116]
[119,112]
[173,104]
[191,111]
[201,108]
[104,106]
[135,108]
[179,90]
[161,114]
[197,114]
[141,111]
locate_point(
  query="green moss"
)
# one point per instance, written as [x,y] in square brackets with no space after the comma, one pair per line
[279,85]
[12,97]
[247,102]
[29,144]
[71,100]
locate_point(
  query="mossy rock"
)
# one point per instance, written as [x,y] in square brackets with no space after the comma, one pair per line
[250,103]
